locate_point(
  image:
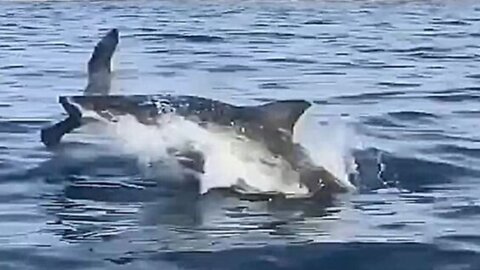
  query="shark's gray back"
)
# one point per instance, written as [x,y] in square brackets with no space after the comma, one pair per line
[271,123]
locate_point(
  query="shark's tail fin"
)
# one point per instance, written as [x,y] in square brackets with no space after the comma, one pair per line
[99,66]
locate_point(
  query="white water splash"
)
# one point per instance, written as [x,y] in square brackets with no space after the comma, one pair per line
[228,157]
[328,145]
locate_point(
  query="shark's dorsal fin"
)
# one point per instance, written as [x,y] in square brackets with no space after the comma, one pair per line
[279,115]
[271,123]
[99,65]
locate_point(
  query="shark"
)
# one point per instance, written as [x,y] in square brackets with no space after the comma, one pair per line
[270,124]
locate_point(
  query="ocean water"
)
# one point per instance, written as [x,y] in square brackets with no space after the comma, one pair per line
[395,86]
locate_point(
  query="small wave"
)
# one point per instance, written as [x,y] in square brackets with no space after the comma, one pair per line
[146,29]
[320,22]
[460,212]
[424,55]
[473,113]
[341,64]
[421,49]
[291,60]
[381,122]
[9,67]
[129,16]
[326,73]
[151,36]
[399,84]
[462,238]
[26,73]
[474,89]
[473,76]
[272,86]
[50,45]
[412,115]
[198,38]
[177,65]
[457,149]
[449,22]
[445,92]
[231,69]
[156,51]
[276,35]
[236,10]
[377,168]
[396,66]
[367,49]
[453,98]
[115,191]
[20,125]
[398,253]
[372,96]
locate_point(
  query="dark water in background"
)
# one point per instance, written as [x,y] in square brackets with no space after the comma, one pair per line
[404,75]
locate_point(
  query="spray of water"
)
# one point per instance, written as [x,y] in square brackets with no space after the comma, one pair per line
[328,145]
[228,157]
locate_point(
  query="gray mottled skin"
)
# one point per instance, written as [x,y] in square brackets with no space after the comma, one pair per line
[271,123]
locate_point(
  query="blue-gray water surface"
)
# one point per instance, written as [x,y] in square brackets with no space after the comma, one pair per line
[403,75]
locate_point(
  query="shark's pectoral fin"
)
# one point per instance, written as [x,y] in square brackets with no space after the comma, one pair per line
[99,65]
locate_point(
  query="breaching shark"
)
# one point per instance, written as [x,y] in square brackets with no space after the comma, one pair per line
[270,124]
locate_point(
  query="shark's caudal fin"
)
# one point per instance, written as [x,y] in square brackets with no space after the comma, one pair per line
[99,66]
